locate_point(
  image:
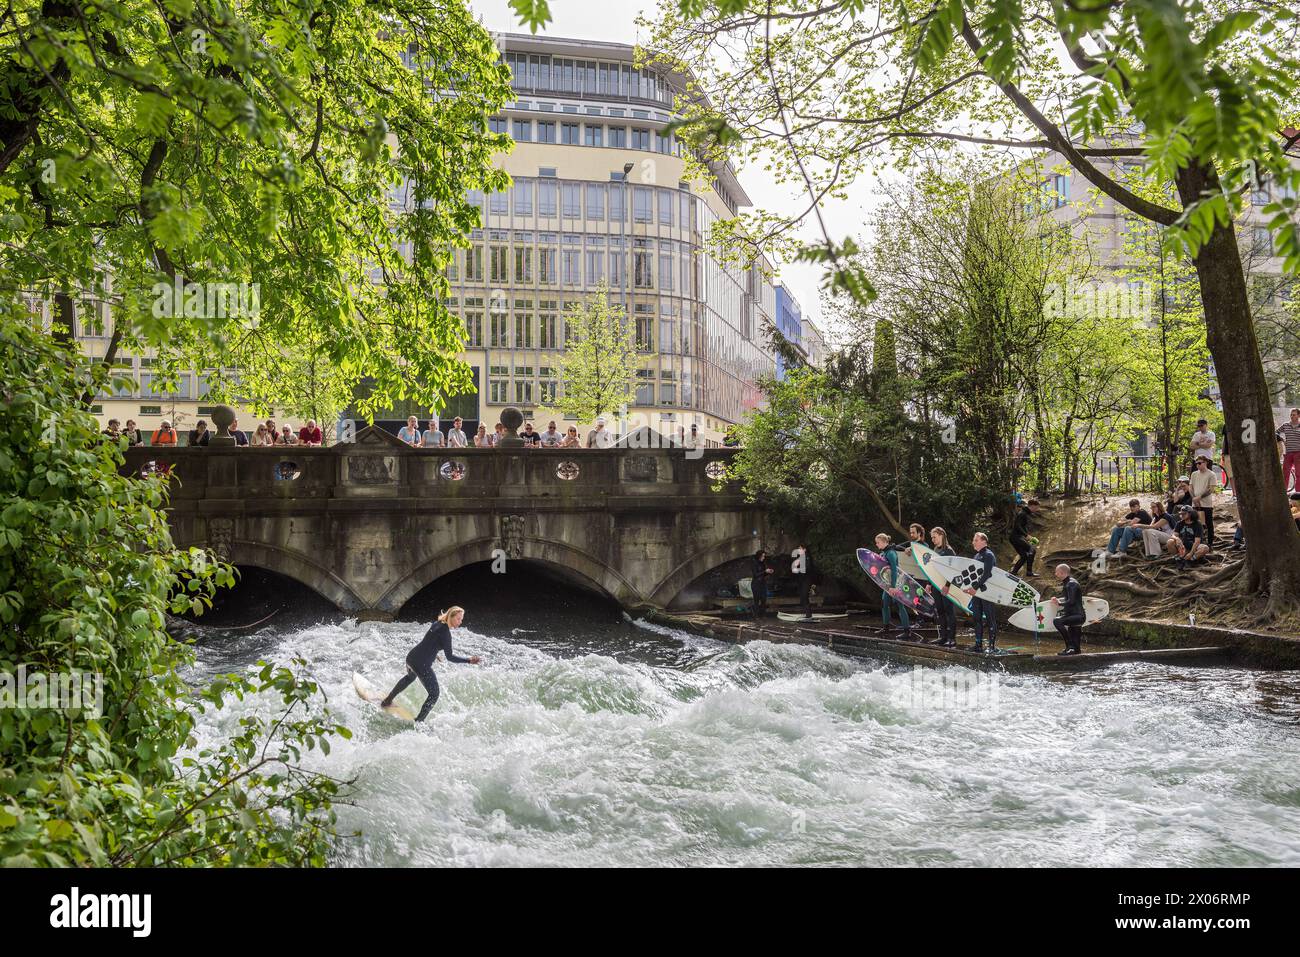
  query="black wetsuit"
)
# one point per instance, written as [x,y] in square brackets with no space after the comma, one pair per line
[946,611]
[419,664]
[758,585]
[1070,621]
[1020,542]
[985,612]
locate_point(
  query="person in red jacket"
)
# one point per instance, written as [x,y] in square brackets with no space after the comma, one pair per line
[310,434]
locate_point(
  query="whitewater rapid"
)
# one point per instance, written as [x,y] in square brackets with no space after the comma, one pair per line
[669,749]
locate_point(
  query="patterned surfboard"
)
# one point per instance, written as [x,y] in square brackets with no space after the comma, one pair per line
[910,592]
[1038,616]
[922,555]
[1002,588]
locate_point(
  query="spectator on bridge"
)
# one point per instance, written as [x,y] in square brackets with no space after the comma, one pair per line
[133,436]
[456,434]
[600,437]
[163,435]
[481,438]
[693,440]
[1161,529]
[241,437]
[113,432]
[1288,444]
[552,438]
[261,438]
[529,435]
[410,433]
[432,438]
[1202,443]
[199,435]
[286,437]
[571,439]
[1129,530]
[271,430]
[494,439]
[1204,482]
[310,434]
[1188,542]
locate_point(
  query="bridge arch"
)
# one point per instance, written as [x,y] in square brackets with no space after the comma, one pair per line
[293,565]
[559,554]
[701,562]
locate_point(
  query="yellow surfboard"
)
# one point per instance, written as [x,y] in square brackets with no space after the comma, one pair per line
[367,692]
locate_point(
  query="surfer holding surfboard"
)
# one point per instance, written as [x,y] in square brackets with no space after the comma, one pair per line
[420,659]
[892,595]
[947,614]
[985,611]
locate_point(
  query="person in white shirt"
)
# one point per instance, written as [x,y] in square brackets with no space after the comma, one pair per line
[410,433]
[1203,483]
[693,440]
[599,437]
[432,438]
[552,437]
[1203,442]
[455,435]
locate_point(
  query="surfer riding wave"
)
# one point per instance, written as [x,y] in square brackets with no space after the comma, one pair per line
[420,659]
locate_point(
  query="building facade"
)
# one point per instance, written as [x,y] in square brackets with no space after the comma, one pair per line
[600,193]
[789,322]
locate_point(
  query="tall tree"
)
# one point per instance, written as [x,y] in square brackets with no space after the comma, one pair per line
[598,365]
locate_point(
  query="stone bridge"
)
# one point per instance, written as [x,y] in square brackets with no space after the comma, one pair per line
[369,523]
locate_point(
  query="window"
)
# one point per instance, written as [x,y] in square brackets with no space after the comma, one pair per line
[498,204]
[666,207]
[546,331]
[1259,196]
[618,137]
[523,264]
[571,194]
[523,131]
[524,391]
[546,131]
[523,326]
[594,271]
[523,191]
[665,273]
[497,393]
[499,329]
[497,269]
[474,264]
[547,266]
[595,135]
[661,143]
[596,201]
[617,204]
[641,277]
[641,197]
[547,191]
[474,329]
[640,139]
[548,391]
[497,124]
[616,271]
[645,338]
[1262,241]
[667,393]
[645,393]
[572,267]
[569,134]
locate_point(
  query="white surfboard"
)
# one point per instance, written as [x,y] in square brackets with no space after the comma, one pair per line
[816,616]
[921,557]
[368,692]
[745,587]
[1038,616]
[1002,588]
[908,563]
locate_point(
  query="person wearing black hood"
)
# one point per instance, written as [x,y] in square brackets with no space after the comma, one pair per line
[758,583]
[1022,541]
[1071,618]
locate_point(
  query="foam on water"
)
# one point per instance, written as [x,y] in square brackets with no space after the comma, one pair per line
[772,754]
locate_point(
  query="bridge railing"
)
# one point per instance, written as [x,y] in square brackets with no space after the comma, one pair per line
[379,467]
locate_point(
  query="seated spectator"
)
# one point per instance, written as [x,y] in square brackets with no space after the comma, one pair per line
[241,437]
[133,436]
[270,428]
[529,435]
[1189,538]
[1129,530]
[113,432]
[1161,529]
[410,433]
[260,438]
[1180,496]
[571,439]
[432,438]
[310,434]
[1239,535]
[163,435]
[498,431]
[600,437]
[551,438]
[456,434]
[199,435]
[481,439]
[286,437]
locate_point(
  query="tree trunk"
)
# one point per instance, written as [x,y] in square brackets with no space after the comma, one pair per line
[1272,540]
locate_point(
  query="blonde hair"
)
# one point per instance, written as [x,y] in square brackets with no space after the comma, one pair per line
[450,613]
[943,533]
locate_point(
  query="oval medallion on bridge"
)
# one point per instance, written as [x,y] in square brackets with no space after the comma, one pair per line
[567,470]
[452,471]
[287,471]
[716,471]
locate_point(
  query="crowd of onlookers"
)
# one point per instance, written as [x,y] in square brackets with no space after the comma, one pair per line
[266,433]
[599,437]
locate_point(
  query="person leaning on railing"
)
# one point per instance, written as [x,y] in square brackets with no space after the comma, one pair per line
[163,435]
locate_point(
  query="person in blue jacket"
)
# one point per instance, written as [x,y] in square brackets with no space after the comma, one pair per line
[891,595]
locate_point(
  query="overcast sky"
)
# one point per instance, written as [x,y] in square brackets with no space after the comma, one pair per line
[615,21]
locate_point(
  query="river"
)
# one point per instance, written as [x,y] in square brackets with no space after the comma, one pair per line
[586,739]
